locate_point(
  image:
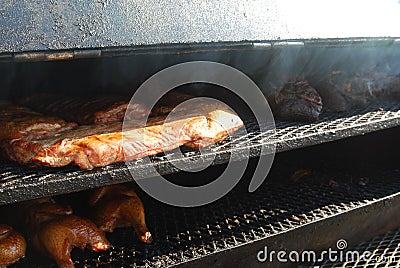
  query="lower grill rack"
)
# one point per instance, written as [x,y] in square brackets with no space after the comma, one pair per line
[290,216]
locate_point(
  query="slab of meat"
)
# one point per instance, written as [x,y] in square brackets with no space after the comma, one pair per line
[168,102]
[119,206]
[18,122]
[101,145]
[102,109]
[342,91]
[86,111]
[12,245]
[24,150]
[104,149]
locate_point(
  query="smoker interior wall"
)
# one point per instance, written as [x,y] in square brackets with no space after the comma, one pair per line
[125,73]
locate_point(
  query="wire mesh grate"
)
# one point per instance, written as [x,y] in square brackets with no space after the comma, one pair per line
[19,183]
[381,251]
[185,234]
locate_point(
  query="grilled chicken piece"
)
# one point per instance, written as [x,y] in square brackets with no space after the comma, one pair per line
[296,101]
[56,238]
[12,245]
[118,206]
[55,232]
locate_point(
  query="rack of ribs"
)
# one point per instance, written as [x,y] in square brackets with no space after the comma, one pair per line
[86,111]
[99,145]
[101,109]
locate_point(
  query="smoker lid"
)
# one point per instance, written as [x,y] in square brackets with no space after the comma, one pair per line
[27,25]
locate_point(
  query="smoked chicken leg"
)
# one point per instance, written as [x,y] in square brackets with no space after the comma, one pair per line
[55,231]
[118,206]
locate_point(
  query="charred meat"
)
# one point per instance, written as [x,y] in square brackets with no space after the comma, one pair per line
[12,245]
[118,206]
[86,111]
[297,101]
[168,102]
[99,110]
[342,91]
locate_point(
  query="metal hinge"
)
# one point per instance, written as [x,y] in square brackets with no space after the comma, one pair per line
[51,55]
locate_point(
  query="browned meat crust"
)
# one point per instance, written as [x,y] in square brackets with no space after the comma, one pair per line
[86,111]
[118,206]
[18,122]
[296,101]
[100,145]
[21,125]
[55,232]
[103,149]
[342,91]
[12,245]
[99,110]
[168,102]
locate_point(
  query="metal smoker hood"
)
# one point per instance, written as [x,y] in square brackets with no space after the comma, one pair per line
[27,25]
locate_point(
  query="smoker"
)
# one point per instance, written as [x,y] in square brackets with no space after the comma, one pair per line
[333,180]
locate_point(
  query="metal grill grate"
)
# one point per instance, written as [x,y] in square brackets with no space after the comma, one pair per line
[19,183]
[382,251]
[234,222]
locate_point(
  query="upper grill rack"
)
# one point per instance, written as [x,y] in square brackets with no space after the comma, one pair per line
[18,183]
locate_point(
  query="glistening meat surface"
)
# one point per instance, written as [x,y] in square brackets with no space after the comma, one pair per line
[103,144]
[18,122]
[104,149]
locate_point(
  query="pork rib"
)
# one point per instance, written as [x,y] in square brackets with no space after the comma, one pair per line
[101,109]
[85,111]
[103,149]
[18,122]
[100,145]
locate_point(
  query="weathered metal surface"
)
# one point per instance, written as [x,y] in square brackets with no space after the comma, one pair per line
[36,25]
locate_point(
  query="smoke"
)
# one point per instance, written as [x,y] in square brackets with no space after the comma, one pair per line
[268,65]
